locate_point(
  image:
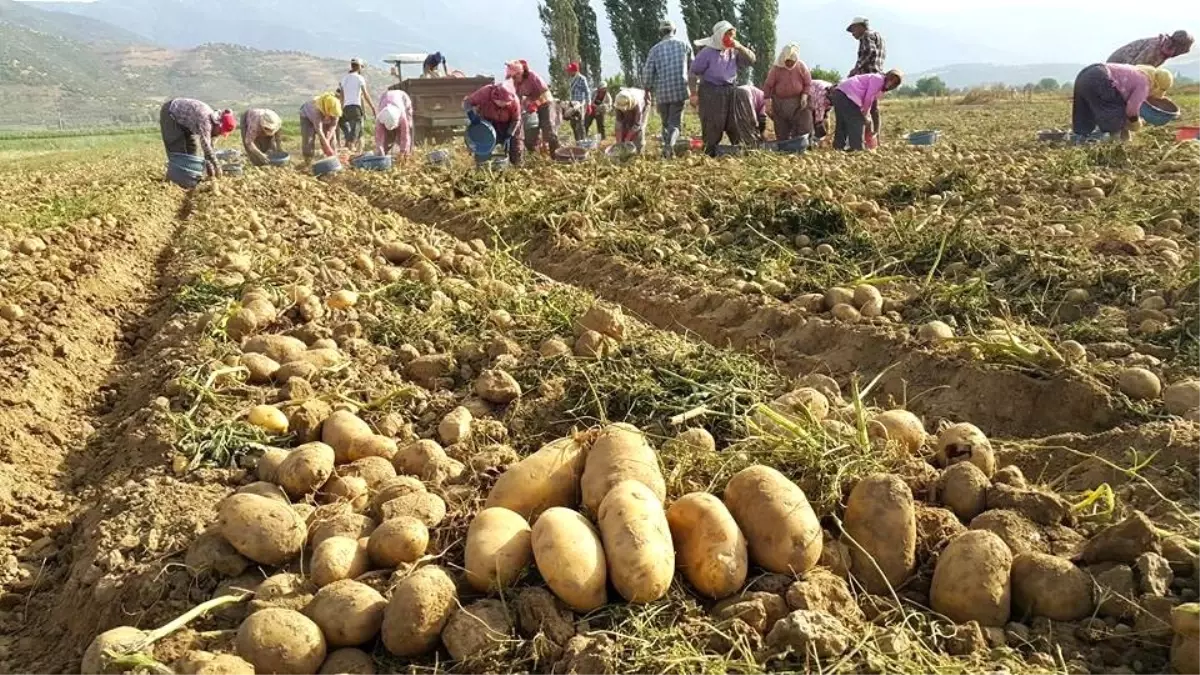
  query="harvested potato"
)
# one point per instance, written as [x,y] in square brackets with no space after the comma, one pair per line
[262,368]
[197,662]
[782,532]
[962,488]
[570,558]
[710,548]
[338,521]
[373,445]
[882,532]
[264,489]
[426,460]
[340,430]
[306,469]
[278,640]
[1139,384]
[375,470]
[547,478]
[348,661]
[350,490]
[604,319]
[696,440]
[1049,586]
[637,542]
[339,558]
[269,419]
[278,348]
[349,613]
[424,506]
[965,443]
[392,488]
[418,610]
[498,549]
[118,640]
[972,579]
[267,468]
[619,453]
[935,331]
[1182,397]
[802,404]
[341,300]
[902,428]
[398,541]
[262,529]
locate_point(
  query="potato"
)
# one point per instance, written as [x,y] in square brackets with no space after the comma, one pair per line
[802,404]
[339,558]
[398,541]
[305,469]
[351,490]
[268,418]
[570,558]
[267,468]
[348,661]
[620,452]
[342,299]
[935,331]
[371,446]
[198,662]
[279,640]
[962,488]
[972,579]
[1139,384]
[419,458]
[1182,397]
[882,532]
[118,640]
[349,613]
[498,549]
[340,430]
[782,532]
[1049,586]
[374,470]
[424,506]
[278,348]
[420,606]
[262,529]
[710,548]
[965,443]
[264,489]
[901,428]
[338,521]
[393,488]
[547,478]
[637,542]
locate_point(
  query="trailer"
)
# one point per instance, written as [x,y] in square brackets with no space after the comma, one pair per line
[437,101]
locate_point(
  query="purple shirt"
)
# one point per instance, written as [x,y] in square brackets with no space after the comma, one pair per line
[718,67]
[863,89]
[1132,84]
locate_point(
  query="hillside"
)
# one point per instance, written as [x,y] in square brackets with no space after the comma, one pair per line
[962,75]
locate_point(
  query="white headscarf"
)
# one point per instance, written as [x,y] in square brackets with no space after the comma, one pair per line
[717,41]
[271,122]
[790,51]
[630,98]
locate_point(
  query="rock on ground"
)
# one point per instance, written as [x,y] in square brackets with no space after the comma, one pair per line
[810,632]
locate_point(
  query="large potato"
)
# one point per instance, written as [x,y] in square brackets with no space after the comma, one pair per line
[339,558]
[375,470]
[964,442]
[620,452]
[398,541]
[428,461]
[340,430]
[305,469]
[420,606]
[782,532]
[348,661]
[498,549]
[570,558]
[972,579]
[278,640]
[548,477]
[900,428]
[637,542]
[371,446]
[279,348]
[392,488]
[267,467]
[882,531]
[349,613]
[1049,586]
[338,520]
[264,530]
[424,506]
[710,548]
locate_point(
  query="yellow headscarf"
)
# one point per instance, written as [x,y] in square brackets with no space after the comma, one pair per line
[790,51]
[1161,80]
[329,105]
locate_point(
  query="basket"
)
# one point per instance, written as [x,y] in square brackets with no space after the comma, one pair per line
[1052,135]
[1159,111]
[796,146]
[372,162]
[279,158]
[621,152]
[232,169]
[1187,133]
[184,178]
[928,137]
[480,139]
[186,161]
[326,166]
[570,155]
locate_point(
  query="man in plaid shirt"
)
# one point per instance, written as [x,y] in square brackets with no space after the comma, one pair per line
[665,77]
[579,96]
[871,54]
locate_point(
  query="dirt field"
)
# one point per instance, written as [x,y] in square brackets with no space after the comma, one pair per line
[417,333]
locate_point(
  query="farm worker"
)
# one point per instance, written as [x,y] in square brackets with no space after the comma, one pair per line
[598,110]
[393,123]
[535,98]
[1154,51]
[750,109]
[578,100]
[665,76]
[819,92]
[430,67]
[188,126]
[853,100]
[871,54]
[260,134]
[632,107]
[1109,96]
[318,124]
[354,94]
[716,69]
[786,90]
[499,105]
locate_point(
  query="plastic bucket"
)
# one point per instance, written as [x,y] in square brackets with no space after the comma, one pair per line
[795,145]
[227,155]
[570,155]
[232,169]
[1187,133]
[481,139]
[186,161]
[184,178]
[1159,111]
[279,158]
[587,144]
[924,137]
[326,166]
[372,162]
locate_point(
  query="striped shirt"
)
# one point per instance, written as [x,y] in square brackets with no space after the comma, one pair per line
[580,91]
[871,54]
[1145,52]
[665,73]
[198,118]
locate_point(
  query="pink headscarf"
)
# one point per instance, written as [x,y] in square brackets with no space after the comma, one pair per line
[505,96]
[514,68]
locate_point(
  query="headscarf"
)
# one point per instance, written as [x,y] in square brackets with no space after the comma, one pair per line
[898,74]
[1161,80]
[717,41]
[227,122]
[1182,41]
[389,117]
[573,68]
[790,51]
[629,99]
[270,123]
[504,96]
[329,105]
[514,68]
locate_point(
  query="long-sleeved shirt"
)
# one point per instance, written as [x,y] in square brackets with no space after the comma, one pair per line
[863,89]
[720,66]
[1152,51]
[665,73]
[631,122]
[1132,84]
[818,99]
[252,130]
[871,54]
[403,130]
[787,82]
[601,98]
[198,118]
[758,99]
[487,104]
[533,89]
[580,91]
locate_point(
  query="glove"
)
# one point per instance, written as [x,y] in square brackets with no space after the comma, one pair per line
[532,107]
[473,117]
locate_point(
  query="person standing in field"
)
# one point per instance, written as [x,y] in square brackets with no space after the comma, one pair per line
[188,127]
[597,111]
[715,67]
[632,107]
[786,90]
[1109,96]
[536,98]
[394,123]
[750,111]
[500,106]
[853,100]
[665,76]
[1154,51]
[354,94]
[580,95]
[318,124]
[260,134]
[871,54]
[430,67]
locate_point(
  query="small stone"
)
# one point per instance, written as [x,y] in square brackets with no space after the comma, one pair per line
[1011,475]
[807,632]
[1016,634]
[497,386]
[1154,574]
[821,590]
[1115,592]
[966,639]
[1122,542]
[1154,617]
[1043,508]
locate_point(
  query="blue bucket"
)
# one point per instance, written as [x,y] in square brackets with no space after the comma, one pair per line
[794,146]
[184,178]
[924,137]
[186,161]
[587,144]
[481,139]
[229,155]
[1161,112]
[326,166]
[279,158]
[372,162]
[232,169]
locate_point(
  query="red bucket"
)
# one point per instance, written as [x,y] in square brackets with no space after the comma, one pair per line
[697,142]
[1187,133]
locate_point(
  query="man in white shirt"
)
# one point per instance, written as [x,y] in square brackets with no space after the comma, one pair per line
[354,94]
